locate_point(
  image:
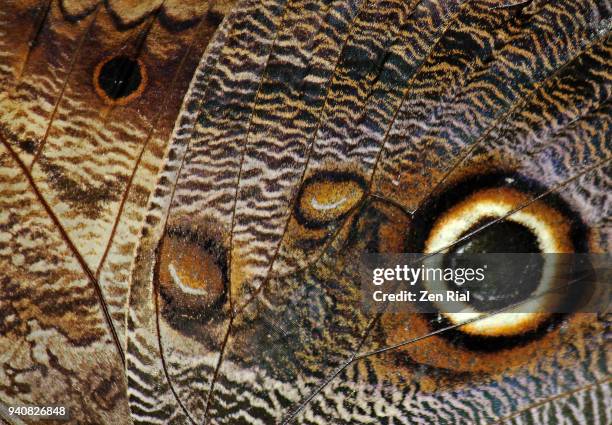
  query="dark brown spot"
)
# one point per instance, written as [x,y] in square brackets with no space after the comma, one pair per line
[28,145]
[84,197]
[215,18]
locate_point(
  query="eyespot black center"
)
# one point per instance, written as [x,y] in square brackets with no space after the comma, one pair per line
[501,237]
[119,77]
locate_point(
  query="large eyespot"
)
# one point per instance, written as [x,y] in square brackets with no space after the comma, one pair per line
[119,79]
[490,214]
[191,274]
[511,222]
[524,226]
[328,197]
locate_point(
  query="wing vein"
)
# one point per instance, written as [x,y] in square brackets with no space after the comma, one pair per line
[140,154]
[519,103]
[308,154]
[551,399]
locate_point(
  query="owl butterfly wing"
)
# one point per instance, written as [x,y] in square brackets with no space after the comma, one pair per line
[315,131]
[89,92]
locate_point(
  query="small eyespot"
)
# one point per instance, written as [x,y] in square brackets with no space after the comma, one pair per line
[324,206]
[191,275]
[119,80]
[328,197]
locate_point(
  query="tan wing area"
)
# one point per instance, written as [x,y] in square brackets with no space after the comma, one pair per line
[80,155]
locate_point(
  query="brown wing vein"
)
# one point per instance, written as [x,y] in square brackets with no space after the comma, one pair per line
[139,159]
[39,27]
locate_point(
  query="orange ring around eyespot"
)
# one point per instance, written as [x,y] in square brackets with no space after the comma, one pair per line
[126,99]
[439,352]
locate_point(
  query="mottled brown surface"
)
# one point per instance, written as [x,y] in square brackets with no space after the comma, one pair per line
[310,133]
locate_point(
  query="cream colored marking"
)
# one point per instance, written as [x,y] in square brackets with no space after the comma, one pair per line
[185,288]
[326,207]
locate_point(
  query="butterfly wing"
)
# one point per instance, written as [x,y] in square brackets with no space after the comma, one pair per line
[330,129]
[311,132]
